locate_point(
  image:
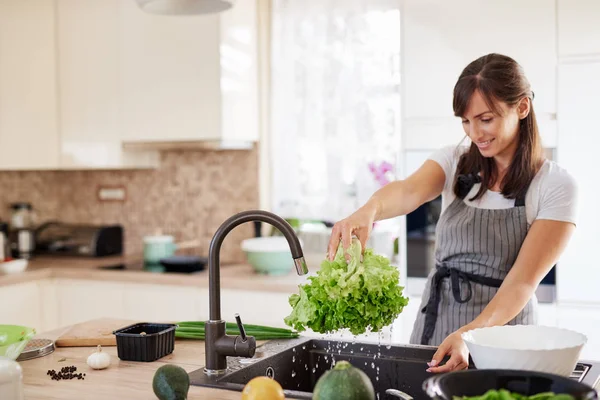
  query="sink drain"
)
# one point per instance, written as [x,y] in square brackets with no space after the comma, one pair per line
[270,373]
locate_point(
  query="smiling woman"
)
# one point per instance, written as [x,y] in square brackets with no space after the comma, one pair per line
[507,213]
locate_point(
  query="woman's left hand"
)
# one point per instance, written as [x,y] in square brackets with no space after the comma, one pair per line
[456,348]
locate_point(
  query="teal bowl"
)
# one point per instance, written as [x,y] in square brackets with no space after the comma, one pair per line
[13,339]
[269,255]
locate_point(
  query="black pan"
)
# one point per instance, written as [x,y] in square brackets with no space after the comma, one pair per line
[184,264]
[477,382]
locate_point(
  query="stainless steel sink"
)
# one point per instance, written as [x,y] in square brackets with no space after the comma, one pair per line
[297,364]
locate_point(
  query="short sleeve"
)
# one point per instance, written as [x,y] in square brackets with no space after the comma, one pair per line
[559,197]
[447,158]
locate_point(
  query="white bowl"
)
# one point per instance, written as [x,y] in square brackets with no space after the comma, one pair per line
[13,266]
[525,347]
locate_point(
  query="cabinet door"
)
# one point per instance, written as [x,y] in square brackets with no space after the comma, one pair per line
[88,68]
[83,300]
[21,305]
[578,27]
[170,76]
[164,303]
[28,109]
[577,273]
[442,37]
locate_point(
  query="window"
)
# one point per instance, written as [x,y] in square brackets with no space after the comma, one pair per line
[335,124]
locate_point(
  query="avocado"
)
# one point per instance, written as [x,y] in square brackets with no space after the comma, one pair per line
[171,382]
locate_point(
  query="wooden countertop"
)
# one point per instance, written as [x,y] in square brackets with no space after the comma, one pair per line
[121,380]
[233,276]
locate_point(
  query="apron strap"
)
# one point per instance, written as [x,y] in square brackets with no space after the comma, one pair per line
[456,276]
[465,184]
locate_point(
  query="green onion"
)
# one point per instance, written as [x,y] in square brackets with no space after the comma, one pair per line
[196,330]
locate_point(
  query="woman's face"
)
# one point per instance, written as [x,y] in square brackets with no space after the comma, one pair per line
[494,135]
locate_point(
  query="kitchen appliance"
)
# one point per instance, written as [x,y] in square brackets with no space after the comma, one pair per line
[79,239]
[21,233]
[5,251]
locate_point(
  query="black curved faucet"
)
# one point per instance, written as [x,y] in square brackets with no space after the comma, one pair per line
[219,345]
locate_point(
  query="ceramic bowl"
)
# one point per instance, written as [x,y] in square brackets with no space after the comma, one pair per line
[13,266]
[525,347]
[269,255]
[13,339]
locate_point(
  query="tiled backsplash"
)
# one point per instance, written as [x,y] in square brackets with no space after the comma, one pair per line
[189,196]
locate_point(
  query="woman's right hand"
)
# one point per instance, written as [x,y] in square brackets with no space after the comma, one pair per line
[359,224]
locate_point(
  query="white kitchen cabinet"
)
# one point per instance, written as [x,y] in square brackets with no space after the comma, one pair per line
[585,320]
[28,87]
[259,308]
[578,27]
[579,138]
[441,37]
[21,305]
[188,79]
[162,303]
[88,34]
[80,300]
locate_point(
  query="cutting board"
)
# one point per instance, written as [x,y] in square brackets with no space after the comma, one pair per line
[92,333]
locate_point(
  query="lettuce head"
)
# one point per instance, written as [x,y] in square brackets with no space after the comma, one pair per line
[361,294]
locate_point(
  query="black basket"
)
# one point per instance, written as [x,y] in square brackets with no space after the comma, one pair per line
[145,341]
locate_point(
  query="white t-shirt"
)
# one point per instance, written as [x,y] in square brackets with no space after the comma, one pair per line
[551,195]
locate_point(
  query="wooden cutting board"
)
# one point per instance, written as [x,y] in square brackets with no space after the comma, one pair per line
[92,333]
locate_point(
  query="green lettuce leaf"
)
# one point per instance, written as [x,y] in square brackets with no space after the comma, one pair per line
[359,295]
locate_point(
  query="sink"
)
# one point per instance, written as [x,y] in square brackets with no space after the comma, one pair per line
[298,363]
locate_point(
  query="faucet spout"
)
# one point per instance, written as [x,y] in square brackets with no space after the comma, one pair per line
[218,344]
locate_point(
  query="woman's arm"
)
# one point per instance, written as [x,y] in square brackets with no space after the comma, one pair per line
[404,196]
[542,247]
[394,199]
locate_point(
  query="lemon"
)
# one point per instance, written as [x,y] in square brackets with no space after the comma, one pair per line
[263,388]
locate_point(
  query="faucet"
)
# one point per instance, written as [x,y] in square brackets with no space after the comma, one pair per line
[218,345]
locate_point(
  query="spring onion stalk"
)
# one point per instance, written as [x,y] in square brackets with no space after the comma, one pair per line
[196,330]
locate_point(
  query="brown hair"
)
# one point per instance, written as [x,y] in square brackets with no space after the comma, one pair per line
[499,78]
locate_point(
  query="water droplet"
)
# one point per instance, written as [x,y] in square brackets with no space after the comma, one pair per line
[377,378]
[374,356]
[294,349]
[326,358]
[317,365]
[365,363]
[293,358]
[351,351]
[379,354]
[389,346]
[361,349]
[313,370]
[293,374]
[377,396]
[303,347]
[306,367]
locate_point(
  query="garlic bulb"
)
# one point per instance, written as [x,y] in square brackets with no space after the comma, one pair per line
[98,359]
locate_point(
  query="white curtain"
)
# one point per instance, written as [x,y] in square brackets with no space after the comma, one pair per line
[335,104]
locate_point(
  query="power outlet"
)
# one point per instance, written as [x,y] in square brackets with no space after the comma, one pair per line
[112,193]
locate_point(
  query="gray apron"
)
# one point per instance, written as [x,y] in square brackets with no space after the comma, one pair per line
[475,250]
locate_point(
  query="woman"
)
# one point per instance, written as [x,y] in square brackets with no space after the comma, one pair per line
[508,213]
